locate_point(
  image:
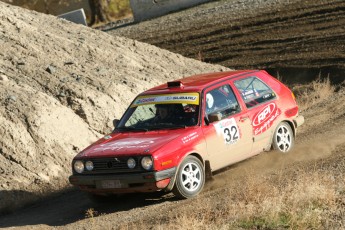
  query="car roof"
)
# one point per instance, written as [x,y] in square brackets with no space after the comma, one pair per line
[196,83]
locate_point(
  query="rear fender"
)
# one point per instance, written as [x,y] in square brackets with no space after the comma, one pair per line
[269,147]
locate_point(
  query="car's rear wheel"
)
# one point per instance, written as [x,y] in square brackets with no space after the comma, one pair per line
[190,178]
[283,138]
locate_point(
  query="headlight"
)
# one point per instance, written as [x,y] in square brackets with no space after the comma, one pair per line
[147,163]
[78,166]
[89,165]
[131,163]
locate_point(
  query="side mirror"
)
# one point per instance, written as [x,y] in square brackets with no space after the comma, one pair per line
[212,117]
[115,122]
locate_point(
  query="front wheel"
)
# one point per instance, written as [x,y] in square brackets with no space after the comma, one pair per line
[190,178]
[283,138]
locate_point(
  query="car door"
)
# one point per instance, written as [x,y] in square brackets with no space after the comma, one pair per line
[226,127]
[260,101]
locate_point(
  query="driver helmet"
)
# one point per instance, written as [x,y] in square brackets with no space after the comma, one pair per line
[209,101]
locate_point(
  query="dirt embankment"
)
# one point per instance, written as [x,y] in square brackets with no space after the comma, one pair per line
[246,34]
[60,87]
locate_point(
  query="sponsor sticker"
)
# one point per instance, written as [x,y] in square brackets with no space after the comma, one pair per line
[250,94]
[129,143]
[263,120]
[228,129]
[189,137]
[188,98]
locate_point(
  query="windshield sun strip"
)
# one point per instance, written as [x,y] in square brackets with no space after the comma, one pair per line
[187,98]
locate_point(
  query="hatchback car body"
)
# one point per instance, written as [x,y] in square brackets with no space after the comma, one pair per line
[175,135]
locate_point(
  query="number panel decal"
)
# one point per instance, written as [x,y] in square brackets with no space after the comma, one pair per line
[228,129]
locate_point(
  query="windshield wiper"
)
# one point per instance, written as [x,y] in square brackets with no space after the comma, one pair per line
[131,129]
[168,126]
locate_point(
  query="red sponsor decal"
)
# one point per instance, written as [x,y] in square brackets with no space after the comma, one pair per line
[264,114]
[264,119]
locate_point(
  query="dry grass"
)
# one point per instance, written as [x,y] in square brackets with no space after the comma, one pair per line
[303,201]
[200,56]
[310,94]
[296,203]
[91,213]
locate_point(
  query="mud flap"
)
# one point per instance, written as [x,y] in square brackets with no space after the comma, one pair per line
[298,121]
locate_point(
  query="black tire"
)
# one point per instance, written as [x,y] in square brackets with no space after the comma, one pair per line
[190,178]
[283,138]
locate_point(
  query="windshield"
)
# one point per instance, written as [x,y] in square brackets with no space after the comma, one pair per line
[165,111]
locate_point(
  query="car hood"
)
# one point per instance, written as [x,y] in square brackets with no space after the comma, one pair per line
[130,143]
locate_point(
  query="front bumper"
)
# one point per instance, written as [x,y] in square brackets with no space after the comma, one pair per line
[298,121]
[123,183]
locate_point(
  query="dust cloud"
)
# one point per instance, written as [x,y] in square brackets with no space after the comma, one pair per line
[313,147]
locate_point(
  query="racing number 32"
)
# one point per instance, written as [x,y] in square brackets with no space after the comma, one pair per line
[230,134]
[228,129]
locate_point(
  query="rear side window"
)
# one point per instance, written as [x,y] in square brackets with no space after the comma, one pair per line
[254,91]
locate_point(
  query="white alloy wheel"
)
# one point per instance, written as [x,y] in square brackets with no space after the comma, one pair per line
[190,178]
[283,138]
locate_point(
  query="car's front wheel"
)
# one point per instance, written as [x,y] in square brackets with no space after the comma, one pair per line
[190,178]
[283,138]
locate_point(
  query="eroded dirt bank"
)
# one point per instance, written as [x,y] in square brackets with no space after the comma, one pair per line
[60,87]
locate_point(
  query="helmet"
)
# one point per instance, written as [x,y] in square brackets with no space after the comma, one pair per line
[209,100]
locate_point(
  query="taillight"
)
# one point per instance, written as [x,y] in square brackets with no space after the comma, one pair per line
[291,112]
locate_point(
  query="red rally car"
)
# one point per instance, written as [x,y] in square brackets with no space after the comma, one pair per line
[175,135]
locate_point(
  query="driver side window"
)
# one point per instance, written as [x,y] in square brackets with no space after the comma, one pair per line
[221,103]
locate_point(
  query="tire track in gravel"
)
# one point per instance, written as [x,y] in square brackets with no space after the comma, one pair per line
[270,35]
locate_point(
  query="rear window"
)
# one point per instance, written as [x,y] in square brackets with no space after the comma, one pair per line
[254,91]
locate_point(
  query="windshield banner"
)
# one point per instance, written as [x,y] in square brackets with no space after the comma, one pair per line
[187,98]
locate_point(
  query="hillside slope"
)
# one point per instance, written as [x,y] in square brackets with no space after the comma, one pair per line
[246,34]
[61,85]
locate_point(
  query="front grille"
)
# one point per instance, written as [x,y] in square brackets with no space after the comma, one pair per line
[110,164]
[113,165]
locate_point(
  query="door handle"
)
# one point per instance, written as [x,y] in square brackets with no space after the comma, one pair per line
[243,119]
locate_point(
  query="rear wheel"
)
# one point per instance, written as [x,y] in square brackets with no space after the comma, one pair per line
[283,138]
[190,178]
